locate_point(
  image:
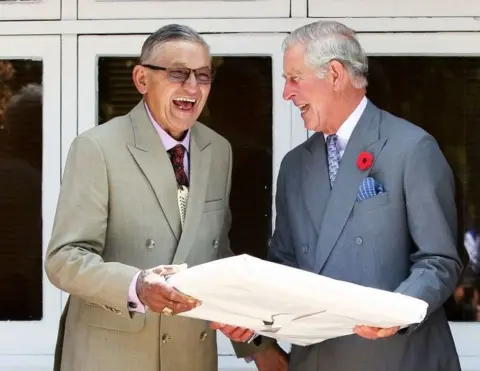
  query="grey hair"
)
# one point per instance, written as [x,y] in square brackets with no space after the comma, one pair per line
[328,40]
[170,32]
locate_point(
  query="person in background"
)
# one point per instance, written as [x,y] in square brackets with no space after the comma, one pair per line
[141,196]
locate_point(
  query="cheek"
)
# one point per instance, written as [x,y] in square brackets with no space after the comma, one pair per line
[205,91]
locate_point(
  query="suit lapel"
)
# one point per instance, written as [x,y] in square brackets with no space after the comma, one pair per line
[200,159]
[315,181]
[365,137]
[152,158]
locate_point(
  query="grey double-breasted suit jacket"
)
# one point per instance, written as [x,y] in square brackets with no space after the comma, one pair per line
[402,240]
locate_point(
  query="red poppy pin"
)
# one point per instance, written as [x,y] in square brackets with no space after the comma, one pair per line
[365,161]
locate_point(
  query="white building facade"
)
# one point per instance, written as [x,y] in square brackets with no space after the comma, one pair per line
[80,52]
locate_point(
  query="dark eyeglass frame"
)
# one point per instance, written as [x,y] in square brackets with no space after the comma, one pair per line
[188,71]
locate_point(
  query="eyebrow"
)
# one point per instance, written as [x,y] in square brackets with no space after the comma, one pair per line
[184,65]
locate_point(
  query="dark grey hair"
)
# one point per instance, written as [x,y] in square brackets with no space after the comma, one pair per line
[170,32]
[328,40]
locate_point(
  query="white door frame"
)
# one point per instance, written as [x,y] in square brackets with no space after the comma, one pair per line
[466,334]
[286,132]
[33,342]
[30,10]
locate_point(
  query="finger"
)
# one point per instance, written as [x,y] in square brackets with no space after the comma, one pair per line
[237,333]
[228,329]
[240,334]
[216,325]
[366,332]
[166,270]
[246,335]
[161,302]
[175,296]
[180,308]
[385,332]
[157,301]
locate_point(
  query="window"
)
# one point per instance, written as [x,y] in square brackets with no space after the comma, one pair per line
[29,185]
[242,85]
[21,190]
[441,95]
[432,80]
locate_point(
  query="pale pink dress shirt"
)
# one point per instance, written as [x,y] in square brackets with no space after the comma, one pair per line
[134,304]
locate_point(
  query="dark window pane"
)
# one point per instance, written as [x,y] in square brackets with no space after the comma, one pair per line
[20,190]
[239,108]
[442,95]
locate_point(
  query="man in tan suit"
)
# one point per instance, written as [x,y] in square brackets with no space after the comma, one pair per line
[147,189]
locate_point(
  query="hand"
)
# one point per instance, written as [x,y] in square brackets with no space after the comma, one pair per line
[272,358]
[154,291]
[369,332]
[238,334]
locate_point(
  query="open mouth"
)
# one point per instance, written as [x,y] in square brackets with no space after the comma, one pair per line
[185,104]
[303,107]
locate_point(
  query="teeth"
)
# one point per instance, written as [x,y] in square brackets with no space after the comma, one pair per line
[191,100]
[302,107]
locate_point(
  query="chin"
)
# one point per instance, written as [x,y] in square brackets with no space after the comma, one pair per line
[309,126]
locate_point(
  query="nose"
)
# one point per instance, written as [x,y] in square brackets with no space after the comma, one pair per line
[191,84]
[288,92]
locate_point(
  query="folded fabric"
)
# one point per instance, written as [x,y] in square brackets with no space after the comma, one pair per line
[290,304]
[369,188]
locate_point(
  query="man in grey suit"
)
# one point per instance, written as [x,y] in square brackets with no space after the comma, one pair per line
[368,199]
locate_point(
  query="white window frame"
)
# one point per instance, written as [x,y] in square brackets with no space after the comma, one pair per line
[393,8]
[138,9]
[30,10]
[286,132]
[466,334]
[31,343]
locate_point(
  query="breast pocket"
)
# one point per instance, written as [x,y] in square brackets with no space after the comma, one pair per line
[373,202]
[213,205]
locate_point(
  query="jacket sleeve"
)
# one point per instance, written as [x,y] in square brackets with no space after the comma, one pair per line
[432,219]
[74,256]
[281,249]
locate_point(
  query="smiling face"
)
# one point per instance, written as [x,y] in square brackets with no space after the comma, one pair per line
[313,96]
[174,105]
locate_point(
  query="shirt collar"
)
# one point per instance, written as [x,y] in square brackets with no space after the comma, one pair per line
[346,129]
[167,140]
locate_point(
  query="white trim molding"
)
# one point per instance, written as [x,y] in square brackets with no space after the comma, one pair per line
[236,25]
[29,10]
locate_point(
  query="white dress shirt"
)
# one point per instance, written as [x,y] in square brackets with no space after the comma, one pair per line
[346,129]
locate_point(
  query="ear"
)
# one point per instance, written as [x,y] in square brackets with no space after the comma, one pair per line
[338,74]
[140,79]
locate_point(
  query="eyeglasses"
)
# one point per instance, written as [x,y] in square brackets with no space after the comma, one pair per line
[203,75]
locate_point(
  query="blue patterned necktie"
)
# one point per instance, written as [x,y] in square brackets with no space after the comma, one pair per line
[333,157]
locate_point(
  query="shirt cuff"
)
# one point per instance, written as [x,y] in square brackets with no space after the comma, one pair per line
[134,303]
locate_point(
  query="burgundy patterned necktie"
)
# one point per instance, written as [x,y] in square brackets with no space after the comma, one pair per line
[176,156]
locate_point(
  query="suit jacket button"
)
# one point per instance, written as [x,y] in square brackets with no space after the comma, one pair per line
[165,338]
[150,243]
[305,249]
[358,240]
[203,336]
[215,244]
